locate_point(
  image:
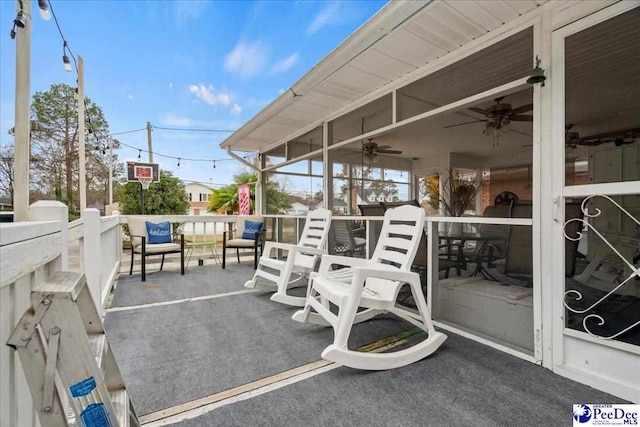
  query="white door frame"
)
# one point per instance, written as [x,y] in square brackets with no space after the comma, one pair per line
[610,366]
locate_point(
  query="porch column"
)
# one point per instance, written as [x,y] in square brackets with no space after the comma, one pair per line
[542,194]
[327,182]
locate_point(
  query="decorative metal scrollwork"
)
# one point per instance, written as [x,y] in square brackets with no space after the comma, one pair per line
[577,295]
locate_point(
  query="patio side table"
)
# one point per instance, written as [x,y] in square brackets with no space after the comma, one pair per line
[191,246]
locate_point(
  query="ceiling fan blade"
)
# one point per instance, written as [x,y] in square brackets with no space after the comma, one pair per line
[522,109]
[389,151]
[382,147]
[521,118]
[481,111]
[465,123]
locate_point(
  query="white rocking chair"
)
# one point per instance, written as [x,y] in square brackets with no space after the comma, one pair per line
[301,260]
[374,285]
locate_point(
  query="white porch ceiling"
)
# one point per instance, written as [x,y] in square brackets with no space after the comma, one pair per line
[400,38]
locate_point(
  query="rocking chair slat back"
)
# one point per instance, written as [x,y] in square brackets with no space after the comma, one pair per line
[399,238]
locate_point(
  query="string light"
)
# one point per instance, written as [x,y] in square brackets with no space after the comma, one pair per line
[214,164]
[178,163]
[190,159]
[20,20]
[65,58]
[44,10]
[139,155]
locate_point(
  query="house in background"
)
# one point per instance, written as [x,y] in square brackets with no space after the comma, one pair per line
[370,196]
[198,194]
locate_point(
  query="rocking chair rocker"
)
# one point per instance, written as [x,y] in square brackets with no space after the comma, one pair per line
[374,285]
[301,260]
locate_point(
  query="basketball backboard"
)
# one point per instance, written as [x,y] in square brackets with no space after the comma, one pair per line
[137,170]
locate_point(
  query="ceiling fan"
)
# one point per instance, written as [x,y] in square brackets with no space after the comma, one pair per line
[619,138]
[370,149]
[499,115]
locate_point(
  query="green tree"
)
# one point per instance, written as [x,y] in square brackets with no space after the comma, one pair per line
[54,146]
[166,197]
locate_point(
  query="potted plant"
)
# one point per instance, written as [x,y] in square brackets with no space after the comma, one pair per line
[454,196]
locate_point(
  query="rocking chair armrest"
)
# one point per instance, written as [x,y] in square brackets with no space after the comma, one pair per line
[360,274]
[268,246]
[329,260]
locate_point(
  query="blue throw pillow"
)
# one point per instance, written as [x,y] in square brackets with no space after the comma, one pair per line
[158,233]
[251,229]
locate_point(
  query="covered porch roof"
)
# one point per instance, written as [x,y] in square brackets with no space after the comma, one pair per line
[387,51]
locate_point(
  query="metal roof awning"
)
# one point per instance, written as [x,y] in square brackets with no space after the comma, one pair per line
[399,39]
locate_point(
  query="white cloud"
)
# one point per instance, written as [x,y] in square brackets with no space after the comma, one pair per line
[130,96]
[172,120]
[236,109]
[170,85]
[246,59]
[207,94]
[327,16]
[284,64]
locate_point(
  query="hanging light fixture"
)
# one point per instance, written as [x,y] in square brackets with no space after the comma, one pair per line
[214,164]
[20,20]
[44,10]
[65,58]
[139,155]
[178,163]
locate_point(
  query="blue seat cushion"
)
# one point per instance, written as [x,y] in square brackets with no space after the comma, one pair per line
[158,233]
[251,229]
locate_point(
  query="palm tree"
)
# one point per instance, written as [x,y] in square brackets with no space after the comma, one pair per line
[225,198]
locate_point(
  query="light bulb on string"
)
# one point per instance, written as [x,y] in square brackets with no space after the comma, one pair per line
[65,58]
[44,10]
[214,164]
[178,163]
[139,155]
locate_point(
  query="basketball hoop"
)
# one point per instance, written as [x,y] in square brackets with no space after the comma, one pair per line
[145,182]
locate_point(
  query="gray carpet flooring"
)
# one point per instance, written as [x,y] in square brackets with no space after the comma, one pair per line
[463,384]
[177,353]
[168,285]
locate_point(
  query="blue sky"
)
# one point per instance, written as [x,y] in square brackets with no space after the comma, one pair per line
[182,64]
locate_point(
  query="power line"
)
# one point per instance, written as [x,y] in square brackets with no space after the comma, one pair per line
[127,131]
[194,130]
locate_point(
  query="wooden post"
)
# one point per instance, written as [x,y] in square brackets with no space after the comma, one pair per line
[110,171]
[53,210]
[149,142]
[82,173]
[92,255]
[22,126]
[432,268]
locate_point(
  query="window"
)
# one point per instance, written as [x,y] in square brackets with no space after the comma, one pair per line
[204,197]
[190,199]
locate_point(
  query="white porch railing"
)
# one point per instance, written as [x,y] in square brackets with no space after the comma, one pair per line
[29,253]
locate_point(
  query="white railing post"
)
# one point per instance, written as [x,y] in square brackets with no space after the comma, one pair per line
[119,239]
[92,254]
[52,210]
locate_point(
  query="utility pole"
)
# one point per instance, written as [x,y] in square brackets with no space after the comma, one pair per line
[81,148]
[110,171]
[149,142]
[22,123]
